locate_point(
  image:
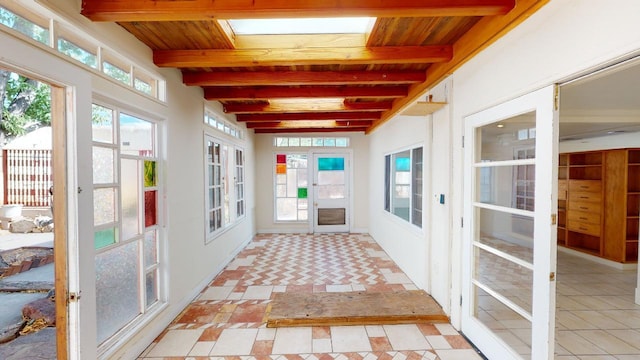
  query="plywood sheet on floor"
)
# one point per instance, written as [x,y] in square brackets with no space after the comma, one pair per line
[353,308]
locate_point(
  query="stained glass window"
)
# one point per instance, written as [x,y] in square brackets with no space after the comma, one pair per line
[291,187]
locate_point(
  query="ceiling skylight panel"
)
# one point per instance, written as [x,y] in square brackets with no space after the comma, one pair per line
[344,25]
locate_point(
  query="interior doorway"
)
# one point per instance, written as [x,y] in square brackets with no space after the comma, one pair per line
[32,246]
[598,300]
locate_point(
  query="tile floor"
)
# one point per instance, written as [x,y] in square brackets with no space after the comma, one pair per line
[226,320]
[596,317]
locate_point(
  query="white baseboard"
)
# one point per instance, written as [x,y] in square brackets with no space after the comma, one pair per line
[599,260]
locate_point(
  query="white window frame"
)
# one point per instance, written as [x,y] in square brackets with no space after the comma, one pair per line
[228,187]
[275,188]
[390,185]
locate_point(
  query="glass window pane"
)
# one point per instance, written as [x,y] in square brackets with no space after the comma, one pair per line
[104,238]
[509,186]
[102,124]
[292,183]
[329,164]
[143,86]
[500,141]
[76,52]
[24,26]
[416,186]
[151,287]
[331,177]
[117,278]
[150,211]
[331,192]
[150,248]
[286,209]
[130,183]
[305,141]
[136,136]
[342,142]
[103,165]
[116,73]
[512,234]
[104,206]
[149,173]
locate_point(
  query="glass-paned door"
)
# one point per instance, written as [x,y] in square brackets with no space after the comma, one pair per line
[331,192]
[510,236]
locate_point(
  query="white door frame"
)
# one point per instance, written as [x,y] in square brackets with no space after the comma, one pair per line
[544,252]
[348,156]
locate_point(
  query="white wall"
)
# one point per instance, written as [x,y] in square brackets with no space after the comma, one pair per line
[265,166]
[189,264]
[563,39]
[405,243]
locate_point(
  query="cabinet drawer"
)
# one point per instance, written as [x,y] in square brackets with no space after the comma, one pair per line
[585,228]
[583,216]
[562,189]
[585,185]
[581,196]
[592,207]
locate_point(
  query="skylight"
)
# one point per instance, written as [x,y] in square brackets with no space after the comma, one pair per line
[344,25]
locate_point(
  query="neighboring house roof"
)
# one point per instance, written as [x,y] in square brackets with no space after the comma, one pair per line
[39,139]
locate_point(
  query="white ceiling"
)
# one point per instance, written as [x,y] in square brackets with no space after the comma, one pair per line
[605,103]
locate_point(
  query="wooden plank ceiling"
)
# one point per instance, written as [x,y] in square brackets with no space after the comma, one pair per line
[314,83]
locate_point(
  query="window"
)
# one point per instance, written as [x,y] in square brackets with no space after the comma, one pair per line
[126,224]
[311,141]
[343,25]
[225,185]
[73,43]
[224,127]
[403,185]
[291,187]
[524,184]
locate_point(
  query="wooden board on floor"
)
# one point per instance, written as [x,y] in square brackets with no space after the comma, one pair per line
[353,308]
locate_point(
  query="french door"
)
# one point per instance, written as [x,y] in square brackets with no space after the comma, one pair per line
[331,193]
[508,304]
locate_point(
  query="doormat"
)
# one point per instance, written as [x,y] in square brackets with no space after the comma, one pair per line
[353,308]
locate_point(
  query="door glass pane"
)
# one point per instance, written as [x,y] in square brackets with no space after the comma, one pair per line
[130,198]
[509,233]
[136,136]
[151,287]
[104,206]
[150,204]
[505,323]
[104,238]
[509,139]
[508,186]
[117,289]
[150,249]
[102,124]
[103,165]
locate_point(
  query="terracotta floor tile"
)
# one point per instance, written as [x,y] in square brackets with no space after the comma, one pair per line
[262,347]
[380,344]
[210,334]
[197,313]
[428,329]
[246,313]
[457,342]
[321,332]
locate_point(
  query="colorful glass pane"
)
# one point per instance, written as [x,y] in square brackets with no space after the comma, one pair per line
[330,164]
[104,238]
[150,204]
[281,168]
[302,193]
[149,173]
[281,159]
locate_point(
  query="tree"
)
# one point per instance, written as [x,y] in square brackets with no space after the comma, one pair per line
[26,105]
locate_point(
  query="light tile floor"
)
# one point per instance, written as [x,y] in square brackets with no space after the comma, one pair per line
[227,319]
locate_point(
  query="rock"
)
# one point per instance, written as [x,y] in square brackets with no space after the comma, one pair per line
[40,345]
[44,309]
[10,332]
[42,221]
[22,226]
[48,228]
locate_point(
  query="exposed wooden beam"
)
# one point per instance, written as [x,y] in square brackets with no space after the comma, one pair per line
[484,33]
[249,78]
[297,124]
[337,116]
[309,130]
[315,106]
[183,10]
[275,92]
[309,56]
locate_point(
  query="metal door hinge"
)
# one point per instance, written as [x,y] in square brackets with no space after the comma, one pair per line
[552,276]
[556,97]
[554,219]
[73,297]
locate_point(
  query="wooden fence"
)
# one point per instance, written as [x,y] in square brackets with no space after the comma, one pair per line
[27,177]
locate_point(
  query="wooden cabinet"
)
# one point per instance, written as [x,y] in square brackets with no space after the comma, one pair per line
[599,202]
